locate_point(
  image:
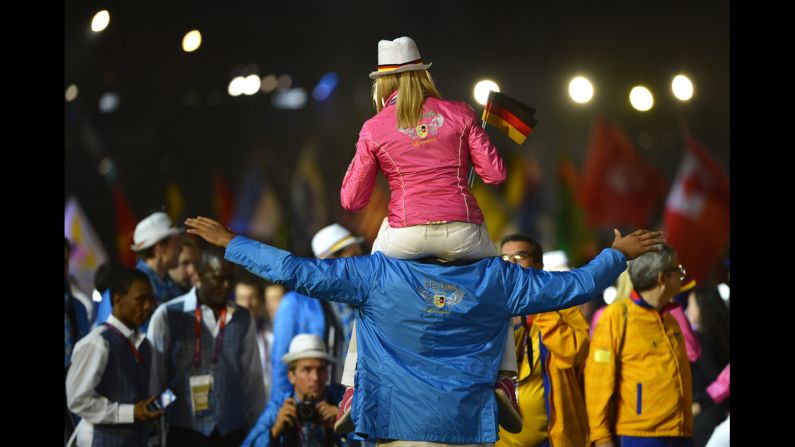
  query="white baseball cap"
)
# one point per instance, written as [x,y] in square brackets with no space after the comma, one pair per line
[331,239]
[152,230]
[307,346]
[556,261]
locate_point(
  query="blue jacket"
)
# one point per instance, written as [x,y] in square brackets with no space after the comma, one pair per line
[430,336]
[259,436]
[297,314]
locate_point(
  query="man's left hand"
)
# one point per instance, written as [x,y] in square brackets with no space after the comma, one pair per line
[328,412]
[637,243]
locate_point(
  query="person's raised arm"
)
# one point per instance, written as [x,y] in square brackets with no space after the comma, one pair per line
[344,280]
[533,291]
[357,186]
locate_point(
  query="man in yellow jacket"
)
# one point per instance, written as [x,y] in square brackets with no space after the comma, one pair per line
[551,351]
[637,378]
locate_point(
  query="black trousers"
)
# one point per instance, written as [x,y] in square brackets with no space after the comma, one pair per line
[185,437]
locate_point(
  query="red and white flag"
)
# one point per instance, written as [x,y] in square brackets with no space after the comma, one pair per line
[618,187]
[697,211]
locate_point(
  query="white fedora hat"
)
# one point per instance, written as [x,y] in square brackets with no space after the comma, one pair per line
[331,239]
[307,346]
[397,56]
[152,230]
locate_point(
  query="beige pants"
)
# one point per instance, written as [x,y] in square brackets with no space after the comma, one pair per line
[428,444]
[451,241]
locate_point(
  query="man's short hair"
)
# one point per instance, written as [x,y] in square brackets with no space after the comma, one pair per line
[121,279]
[536,253]
[148,253]
[644,269]
[104,273]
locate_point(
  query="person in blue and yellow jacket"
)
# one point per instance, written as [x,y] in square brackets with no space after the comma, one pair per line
[638,386]
[551,351]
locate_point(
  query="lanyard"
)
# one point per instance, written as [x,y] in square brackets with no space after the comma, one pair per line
[138,358]
[526,342]
[197,349]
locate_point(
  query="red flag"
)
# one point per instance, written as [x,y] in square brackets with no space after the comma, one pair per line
[697,211]
[125,226]
[223,202]
[618,187]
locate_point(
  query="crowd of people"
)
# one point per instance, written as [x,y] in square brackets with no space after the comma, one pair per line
[433,338]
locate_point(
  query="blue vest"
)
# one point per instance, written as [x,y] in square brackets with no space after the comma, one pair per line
[227,395]
[126,382]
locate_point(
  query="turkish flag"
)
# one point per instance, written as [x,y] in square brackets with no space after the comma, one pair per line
[618,187]
[697,211]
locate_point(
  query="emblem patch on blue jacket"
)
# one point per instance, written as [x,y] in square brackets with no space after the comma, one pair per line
[440,295]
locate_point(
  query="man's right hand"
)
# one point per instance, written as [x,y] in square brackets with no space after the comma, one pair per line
[141,413]
[637,243]
[286,417]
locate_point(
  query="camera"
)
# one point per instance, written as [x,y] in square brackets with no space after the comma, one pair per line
[306,410]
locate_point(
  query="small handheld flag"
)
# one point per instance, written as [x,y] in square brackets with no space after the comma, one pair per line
[509,116]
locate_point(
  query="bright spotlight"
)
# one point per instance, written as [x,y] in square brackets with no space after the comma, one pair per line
[482,90]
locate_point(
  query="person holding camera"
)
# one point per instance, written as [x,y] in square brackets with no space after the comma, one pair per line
[304,417]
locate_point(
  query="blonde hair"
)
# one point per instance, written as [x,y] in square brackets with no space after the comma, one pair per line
[413,87]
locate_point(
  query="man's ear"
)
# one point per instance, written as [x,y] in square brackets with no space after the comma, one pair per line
[114,298]
[291,377]
[661,278]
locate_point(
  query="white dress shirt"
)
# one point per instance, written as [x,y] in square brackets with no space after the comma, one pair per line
[88,365]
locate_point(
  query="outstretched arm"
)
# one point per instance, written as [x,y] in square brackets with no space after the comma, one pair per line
[533,291]
[344,280]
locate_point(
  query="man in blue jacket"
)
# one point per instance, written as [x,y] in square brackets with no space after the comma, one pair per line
[430,336]
[307,413]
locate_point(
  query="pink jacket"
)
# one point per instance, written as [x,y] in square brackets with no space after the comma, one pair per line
[719,389]
[427,167]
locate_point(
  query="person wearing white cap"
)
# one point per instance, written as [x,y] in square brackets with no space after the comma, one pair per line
[424,146]
[298,313]
[156,243]
[431,335]
[307,412]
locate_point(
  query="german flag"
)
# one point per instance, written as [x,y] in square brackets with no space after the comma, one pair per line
[509,116]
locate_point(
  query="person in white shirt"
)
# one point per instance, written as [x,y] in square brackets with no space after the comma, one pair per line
[108,382]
